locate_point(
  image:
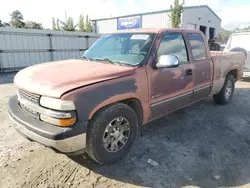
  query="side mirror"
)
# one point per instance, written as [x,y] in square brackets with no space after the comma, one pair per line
[167,61]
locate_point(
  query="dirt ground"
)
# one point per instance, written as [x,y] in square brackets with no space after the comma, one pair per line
[204,145]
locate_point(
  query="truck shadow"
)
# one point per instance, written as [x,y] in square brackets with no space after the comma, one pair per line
[204,145]
[7,78]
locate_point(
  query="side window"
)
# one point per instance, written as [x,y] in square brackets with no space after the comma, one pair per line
[197,46]
[173,44]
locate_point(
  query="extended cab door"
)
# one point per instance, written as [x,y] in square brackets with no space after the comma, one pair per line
[170,88]
[203,67]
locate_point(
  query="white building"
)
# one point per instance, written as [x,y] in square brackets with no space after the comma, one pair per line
[193,17]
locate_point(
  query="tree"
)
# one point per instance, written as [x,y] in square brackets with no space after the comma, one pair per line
[17,19]
[224,36]
[88,27]
[247,28]
[58,25]
[32,25]
[81,23]
[54,24]
[4,24]
[237,29]
[175,14]
[1,23]
[68,25]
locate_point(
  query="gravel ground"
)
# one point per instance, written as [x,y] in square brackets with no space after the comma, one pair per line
[203,145]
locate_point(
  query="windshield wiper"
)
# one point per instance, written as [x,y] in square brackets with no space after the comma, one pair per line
[106,59]
[113,61]
[85,57]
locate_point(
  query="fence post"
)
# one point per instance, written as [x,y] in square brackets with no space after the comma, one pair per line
[87,37]
[1,62]
[51,47]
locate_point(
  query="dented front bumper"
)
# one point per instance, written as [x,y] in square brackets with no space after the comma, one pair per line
[68,140]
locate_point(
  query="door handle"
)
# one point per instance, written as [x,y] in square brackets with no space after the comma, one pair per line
[189,72]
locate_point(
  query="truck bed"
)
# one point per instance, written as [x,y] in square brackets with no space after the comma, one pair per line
[223,63]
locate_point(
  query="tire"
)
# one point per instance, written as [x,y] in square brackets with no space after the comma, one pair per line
[223,96]
[95,145]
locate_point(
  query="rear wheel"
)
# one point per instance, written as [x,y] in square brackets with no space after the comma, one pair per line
[226,93]
[111,133]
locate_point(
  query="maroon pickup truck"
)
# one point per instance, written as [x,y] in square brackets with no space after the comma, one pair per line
[96,103]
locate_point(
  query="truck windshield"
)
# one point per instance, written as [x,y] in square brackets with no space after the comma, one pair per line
[129,49]
[240,40]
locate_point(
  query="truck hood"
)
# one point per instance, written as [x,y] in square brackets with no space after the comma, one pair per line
[52,79]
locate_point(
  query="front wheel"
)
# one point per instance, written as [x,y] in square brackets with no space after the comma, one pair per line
[226,93]
[111,133]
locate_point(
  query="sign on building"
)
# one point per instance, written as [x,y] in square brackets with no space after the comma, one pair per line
[129,23]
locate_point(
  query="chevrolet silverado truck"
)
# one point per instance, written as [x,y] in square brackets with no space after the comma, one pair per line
[97,103]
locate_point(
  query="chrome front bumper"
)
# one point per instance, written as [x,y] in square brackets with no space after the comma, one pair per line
[63,139]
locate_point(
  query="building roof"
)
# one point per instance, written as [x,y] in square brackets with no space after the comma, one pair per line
[161,11]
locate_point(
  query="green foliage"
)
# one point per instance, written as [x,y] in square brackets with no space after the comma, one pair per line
[175,14]
[1,23]
[88,27]
[54,24]
[4,24]
[58,25]
[247,28]
[81,24]
[32,25]
[225,34]
[68,25]
[16,19]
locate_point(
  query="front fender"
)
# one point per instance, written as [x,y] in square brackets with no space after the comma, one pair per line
[111,100]
[90,99]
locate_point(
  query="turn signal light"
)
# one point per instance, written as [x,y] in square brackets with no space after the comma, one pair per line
[59,122]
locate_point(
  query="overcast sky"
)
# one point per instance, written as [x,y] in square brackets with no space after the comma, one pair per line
[234,13]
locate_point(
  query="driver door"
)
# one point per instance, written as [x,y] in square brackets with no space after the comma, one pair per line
[171,88]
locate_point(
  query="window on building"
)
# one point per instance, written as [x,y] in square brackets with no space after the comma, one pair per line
[197,46]
[173,44]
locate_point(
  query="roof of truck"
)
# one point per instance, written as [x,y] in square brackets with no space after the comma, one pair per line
[155,30]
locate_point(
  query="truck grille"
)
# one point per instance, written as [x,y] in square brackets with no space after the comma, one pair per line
[29,111]
[29,96]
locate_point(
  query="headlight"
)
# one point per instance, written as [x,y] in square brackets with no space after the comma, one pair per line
[59,122]
[57,104]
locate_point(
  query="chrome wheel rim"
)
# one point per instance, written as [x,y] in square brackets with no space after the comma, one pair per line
[228,89]
[116,134]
